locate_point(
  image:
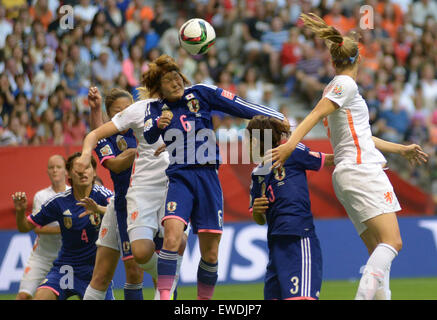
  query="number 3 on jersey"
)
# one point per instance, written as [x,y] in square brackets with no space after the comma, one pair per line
[84,236]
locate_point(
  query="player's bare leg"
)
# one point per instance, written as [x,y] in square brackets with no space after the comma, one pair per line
[133,288]
[45,294]
[104,269]
[385,230]
[23,296]
[208,266]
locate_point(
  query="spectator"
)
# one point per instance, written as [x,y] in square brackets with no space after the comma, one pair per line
[74,128]
[150,37]
[104,73]
[146,12]
[169,41]
[45,81]
[133,26]
[253,85]
[6,27]
[23,85]
[70,79]
[41,12]
[58,136]
[393,123]
[159,23]
[134,66]
[113,14]
[225,81]
[272,42]
[422,9]
[14,133]
[417,132]
[336,19]
[429,86]
[99,39]
[85,11]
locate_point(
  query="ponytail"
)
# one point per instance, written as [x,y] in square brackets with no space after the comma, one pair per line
[344,49]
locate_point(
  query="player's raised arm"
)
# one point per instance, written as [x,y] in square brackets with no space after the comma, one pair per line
[281,153]
[95,103]
[20,204]
[90,142]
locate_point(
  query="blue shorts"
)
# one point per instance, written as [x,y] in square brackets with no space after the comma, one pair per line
[65,286]
[294,270]
[195,195]
[125,247]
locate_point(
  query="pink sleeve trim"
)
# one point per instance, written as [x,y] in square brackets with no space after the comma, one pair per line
[127,258]
[106,158]
[29,218]
[210,231]
[50,288]
[300,298]
[323,160]
[173,217]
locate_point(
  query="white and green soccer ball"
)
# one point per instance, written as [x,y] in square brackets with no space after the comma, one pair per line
[196,36]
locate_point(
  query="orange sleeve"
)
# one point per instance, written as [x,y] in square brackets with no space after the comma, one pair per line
[129,13]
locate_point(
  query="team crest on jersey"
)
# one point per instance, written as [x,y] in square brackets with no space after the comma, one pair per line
[121,143]
[171,206]
[193,105]
[279,173]
[338,90]
[227,94]
[95,219]
[103,232]
[126,246]
[105,151]
[68,222]
[148,125]
[189,96]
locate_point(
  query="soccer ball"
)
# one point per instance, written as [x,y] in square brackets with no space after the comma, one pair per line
[196,36]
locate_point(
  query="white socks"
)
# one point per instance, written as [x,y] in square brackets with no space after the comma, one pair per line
[376,273]
[93,294]
[384,293]
[151,266]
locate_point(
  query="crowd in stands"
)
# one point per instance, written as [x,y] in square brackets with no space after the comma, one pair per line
[48,60]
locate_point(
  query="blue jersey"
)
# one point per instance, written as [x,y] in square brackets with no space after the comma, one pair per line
[110,148]
[79,235]
[289,211]
[190,138]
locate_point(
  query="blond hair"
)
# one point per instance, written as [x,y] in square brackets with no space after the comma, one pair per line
[344,49]
[151,79]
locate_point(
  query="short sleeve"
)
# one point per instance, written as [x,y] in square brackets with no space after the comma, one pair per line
[131,117]
[37,202]
[341,90]
[46,214]
[307,159]
[104,150]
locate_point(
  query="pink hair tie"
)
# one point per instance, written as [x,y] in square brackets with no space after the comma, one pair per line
[340,44]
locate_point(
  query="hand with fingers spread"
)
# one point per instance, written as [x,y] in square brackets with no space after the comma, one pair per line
[259,208]
[414,154]
[20,201]
[91,207]
[279,155]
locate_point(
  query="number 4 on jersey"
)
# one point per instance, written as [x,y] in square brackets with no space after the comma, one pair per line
[84,236]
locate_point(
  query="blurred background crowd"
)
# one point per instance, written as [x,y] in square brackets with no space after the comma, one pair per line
[50,56]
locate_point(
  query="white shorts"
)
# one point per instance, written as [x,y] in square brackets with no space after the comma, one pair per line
[364,191]
[145,208]
[36,270]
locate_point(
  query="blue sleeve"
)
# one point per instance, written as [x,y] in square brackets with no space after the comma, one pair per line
[48,213]
[151,130]
[104,150]
[227,102]
[102,196]
[131,140]
[307,159]
[255,188]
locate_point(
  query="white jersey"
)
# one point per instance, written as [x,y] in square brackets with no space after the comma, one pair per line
[46,245]
[348,127]
[148,169]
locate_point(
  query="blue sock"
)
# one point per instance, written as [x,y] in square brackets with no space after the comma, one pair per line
[206,279]
[133,291]
[167,265]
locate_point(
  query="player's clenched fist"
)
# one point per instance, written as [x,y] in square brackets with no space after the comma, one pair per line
[259,208]
[94,98]
[20,201]
[164,120]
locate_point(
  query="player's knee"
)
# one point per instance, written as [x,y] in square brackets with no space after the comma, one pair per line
[182,245]
[210,256]
[101,281]
[398,244]
[172,242]
[142,251]
[23,296]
